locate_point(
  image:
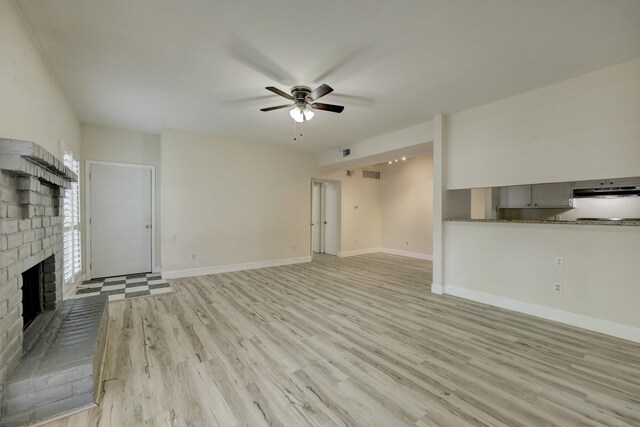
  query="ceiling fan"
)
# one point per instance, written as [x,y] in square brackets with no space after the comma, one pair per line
[304,101]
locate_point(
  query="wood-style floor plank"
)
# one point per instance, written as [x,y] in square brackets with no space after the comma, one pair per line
[356,341]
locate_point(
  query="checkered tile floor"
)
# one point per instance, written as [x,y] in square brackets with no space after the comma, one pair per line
[122,287]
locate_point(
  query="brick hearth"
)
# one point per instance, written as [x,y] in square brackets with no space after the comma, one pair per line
[32,186]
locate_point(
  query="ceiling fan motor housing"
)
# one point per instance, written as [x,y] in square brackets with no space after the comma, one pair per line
[301,94]
[304,100]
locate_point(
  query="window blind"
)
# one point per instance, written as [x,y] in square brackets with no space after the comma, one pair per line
[72,264]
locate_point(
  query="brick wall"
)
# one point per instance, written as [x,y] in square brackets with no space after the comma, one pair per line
[30,232]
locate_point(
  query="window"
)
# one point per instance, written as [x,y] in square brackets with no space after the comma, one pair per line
[72,258]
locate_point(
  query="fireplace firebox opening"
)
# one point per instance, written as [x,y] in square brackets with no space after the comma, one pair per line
[38,290]
[32,294]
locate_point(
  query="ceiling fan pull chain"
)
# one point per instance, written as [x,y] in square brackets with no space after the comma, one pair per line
[298,130]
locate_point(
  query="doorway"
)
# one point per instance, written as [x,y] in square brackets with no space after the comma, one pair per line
[120,210]
[325,217]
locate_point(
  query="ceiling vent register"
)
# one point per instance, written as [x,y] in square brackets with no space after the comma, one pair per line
[369,174]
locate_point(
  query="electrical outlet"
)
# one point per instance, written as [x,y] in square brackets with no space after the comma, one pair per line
[294,248]
[557,288]
[407,243]
[193,256]
[559,262]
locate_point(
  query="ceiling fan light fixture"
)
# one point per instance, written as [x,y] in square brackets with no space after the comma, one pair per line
[301,115]
[307,113]
[296,114]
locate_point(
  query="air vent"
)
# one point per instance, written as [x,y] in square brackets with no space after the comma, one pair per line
[369,174]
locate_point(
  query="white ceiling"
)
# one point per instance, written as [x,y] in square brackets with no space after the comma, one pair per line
[196,64]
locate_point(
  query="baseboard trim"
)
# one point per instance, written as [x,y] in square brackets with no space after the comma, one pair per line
[71,289]
[437,289]
[389,251]
[408,254]
[359,252]
[203,271]
[597,325]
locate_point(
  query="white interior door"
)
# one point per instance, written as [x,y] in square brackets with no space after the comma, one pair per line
[331,218]
[316,215]
[323,220]
[120,220]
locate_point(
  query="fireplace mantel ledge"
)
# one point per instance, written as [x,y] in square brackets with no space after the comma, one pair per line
[28,158]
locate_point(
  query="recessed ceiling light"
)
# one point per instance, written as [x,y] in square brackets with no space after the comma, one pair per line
[390,162]
[404,158]
[396,160]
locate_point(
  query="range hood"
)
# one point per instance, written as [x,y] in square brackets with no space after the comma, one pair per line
[625,190]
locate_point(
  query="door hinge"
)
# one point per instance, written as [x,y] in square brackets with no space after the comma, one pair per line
[90,266]
[89,221]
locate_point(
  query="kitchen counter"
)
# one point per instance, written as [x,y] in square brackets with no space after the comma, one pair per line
[532,221]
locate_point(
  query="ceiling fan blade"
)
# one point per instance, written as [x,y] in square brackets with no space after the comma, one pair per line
[253,58]
[342,60]
[248,101]
[320,91]
[279,92]
[276,107]
[360,101]
[328,107]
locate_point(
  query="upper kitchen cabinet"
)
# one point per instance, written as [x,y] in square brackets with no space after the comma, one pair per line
[536,196]
[552,195]
[518,196]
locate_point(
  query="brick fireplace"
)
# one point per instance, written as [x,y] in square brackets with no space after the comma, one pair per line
[32,186]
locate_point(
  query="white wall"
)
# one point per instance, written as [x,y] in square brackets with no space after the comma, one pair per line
[406,200]
[584,128]
[231,202]
[580,129]
[111,144]
[108,144]
[410,141]
[360,211]
[32,106]
[516,261]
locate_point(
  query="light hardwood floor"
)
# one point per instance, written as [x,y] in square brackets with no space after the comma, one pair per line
[358,341]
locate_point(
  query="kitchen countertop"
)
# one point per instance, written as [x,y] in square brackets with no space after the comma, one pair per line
[537,221]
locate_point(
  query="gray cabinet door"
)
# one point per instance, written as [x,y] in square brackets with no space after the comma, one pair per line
[517,196]
[551,195]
